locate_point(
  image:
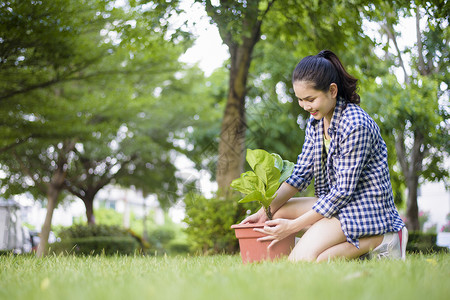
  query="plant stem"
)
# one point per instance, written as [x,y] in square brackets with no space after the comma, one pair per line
[268,212]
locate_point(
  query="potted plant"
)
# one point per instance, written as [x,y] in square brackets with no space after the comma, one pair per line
[261,184]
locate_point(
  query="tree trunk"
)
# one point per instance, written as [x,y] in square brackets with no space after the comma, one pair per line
[89,205]
[231,158]
[412,209]
[411,170]
[52,197]
[54,188]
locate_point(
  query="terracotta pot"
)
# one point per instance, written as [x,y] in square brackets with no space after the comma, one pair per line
[252,250]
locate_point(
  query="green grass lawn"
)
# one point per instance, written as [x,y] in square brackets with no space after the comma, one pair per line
[221,277]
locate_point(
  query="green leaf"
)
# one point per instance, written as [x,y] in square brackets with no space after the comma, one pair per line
[263,164]
[288,168]
[262,184]
[254,196]
[278,161]
[267,200]
[272,190]
[248,183]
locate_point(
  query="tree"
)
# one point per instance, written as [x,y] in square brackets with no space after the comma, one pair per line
[411,111]
[41,44]
[52,99]
[239,26]
[291,24]
[39,169]
[138,153]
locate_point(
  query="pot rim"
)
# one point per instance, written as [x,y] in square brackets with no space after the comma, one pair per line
[248,225]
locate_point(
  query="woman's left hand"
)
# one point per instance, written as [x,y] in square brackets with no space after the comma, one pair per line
[276,230]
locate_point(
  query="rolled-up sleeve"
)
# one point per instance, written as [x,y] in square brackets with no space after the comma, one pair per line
[303,170]
[348,165]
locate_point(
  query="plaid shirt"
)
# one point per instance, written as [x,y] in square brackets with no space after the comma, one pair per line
[352,181]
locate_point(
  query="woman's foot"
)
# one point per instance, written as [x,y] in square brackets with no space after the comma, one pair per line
[393,246]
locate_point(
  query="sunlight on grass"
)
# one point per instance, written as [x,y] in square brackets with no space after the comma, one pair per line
[221,277]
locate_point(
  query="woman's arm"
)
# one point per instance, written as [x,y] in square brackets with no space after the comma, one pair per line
[284,193]
[298,181]
[278,229]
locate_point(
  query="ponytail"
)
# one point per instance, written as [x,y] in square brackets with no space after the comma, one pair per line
[324,69]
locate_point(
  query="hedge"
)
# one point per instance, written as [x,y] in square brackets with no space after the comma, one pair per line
[420,242]
[84,231]
[209,223]
[107,245]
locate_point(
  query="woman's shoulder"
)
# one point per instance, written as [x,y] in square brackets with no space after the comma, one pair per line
[354,117]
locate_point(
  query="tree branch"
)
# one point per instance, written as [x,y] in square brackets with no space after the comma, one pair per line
[17,143]
[422,67]
[390,32]
[71,189]
[27,171]
[67,78]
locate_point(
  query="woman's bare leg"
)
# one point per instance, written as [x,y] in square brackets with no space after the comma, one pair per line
[321,236]
[349,251]
[295,207]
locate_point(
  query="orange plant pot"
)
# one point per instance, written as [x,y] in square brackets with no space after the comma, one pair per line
[253,251]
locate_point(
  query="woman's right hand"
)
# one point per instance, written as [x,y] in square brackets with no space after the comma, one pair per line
[258,217]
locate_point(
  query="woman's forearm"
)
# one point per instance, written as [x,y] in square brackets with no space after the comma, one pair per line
[284,193]
[305,220]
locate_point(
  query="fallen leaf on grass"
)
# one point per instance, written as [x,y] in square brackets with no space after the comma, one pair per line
[45,283]
[356,275]
[431,261]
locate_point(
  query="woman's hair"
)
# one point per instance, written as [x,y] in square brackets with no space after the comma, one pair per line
[324,69]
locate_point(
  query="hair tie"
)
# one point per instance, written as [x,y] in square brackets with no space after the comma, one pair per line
[322,54]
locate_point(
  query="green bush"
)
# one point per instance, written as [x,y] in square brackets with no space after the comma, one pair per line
[209,222]
[159,239]
[420,242]
[178,247]
[108,245]
[95,239]
[83,231]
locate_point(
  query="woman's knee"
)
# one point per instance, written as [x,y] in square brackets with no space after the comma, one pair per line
[294,208]
[307,256]
[324,234]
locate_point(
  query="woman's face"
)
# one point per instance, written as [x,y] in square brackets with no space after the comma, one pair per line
[317,103]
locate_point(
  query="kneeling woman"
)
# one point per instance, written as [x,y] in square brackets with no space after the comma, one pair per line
[354,212]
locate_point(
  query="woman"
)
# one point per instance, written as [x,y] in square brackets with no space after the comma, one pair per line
[354,212]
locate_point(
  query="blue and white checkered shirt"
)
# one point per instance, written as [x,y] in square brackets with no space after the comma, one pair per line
[351,181]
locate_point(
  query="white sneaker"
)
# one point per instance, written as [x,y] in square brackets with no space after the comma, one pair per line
[404,241]
[393,246]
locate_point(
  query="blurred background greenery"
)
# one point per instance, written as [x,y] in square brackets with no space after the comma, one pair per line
[93,93]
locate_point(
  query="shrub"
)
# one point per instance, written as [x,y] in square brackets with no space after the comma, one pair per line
[82,231]
[209,222]
[108,245]
[178,247]
[420,242]
[159,239]
[95,239]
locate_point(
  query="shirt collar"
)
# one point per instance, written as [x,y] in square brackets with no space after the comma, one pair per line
[341,104]
[338,110]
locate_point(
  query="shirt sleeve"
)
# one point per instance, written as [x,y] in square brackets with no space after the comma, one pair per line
[303,169]
[348,165]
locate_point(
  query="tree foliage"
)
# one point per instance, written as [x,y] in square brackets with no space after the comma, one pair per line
[414,113]
[77,89]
